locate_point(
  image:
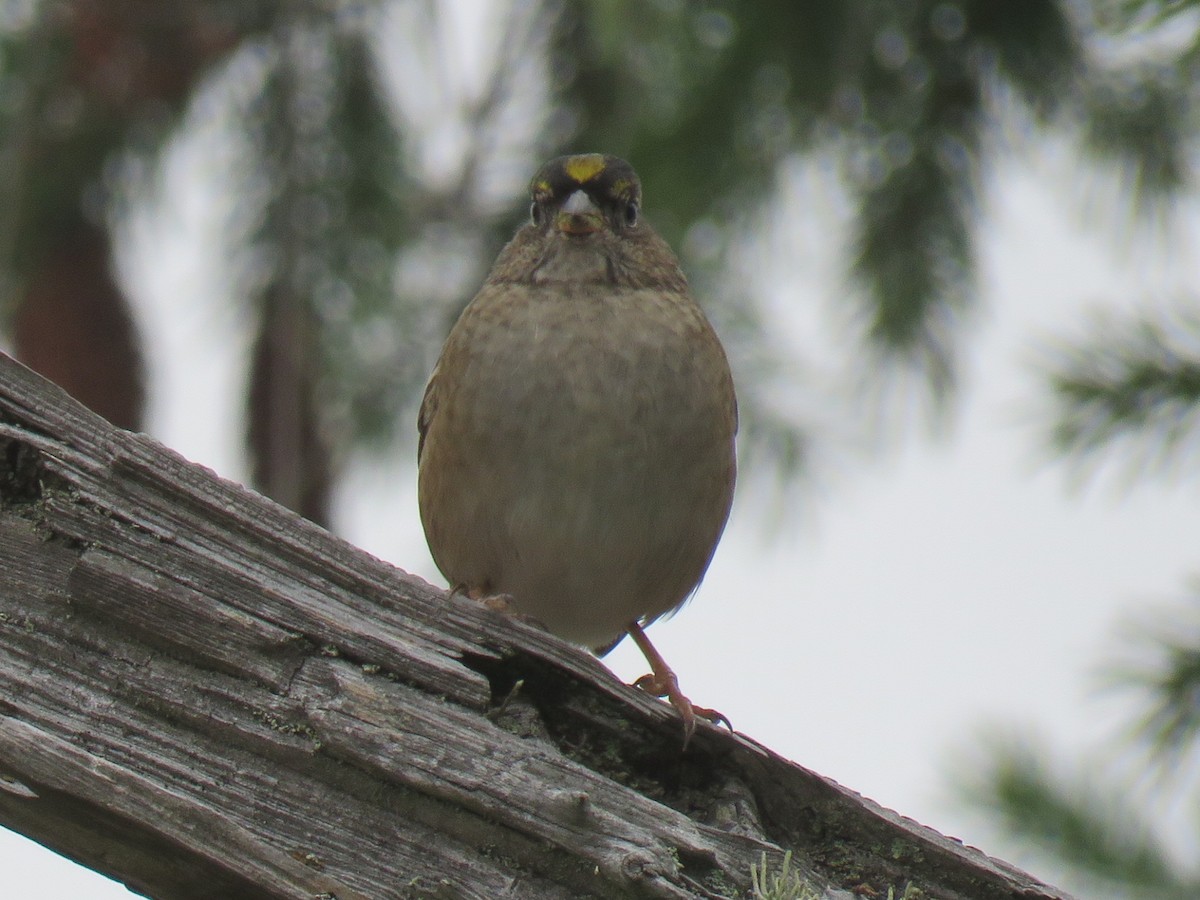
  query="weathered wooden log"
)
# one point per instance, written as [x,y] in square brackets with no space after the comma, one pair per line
[203,696]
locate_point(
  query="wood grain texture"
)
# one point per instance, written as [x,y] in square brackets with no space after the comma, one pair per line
[204,696]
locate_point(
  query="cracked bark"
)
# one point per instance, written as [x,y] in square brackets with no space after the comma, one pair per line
[203,695]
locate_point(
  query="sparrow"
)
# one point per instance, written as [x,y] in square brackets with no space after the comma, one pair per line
[576,450]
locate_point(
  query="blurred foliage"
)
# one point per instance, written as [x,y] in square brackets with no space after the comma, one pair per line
[709,99]
[81,81]
[1148,108]
[81,84]
[1098,820]
[1164,668]
[371,228]
[1132,383]
[1090,827]
[1128,389]
[336,211]
[1149,102]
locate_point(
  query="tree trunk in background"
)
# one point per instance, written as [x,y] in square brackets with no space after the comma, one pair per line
[74,326]
[288,450]
[89,80]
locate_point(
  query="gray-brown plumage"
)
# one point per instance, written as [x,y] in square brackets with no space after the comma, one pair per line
[577,435]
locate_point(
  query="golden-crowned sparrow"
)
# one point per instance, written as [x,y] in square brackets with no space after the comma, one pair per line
[577,435]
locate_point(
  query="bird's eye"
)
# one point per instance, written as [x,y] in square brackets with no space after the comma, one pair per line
[631,213]
[535,213]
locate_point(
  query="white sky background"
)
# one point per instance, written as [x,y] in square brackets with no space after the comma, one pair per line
[911,599]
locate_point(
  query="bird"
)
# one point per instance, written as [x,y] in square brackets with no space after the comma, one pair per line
[576,439]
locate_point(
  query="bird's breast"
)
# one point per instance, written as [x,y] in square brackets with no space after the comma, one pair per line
[597,378]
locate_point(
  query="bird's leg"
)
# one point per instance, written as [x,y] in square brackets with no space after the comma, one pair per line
[661,682]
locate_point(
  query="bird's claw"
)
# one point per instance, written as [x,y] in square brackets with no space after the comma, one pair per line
[668,687]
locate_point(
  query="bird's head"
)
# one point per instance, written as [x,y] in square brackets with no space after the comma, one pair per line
[586,194]
[585,217]
[585,226]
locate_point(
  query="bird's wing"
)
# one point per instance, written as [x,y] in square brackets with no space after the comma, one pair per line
[429,404]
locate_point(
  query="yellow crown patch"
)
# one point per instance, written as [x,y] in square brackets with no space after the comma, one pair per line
[585,167]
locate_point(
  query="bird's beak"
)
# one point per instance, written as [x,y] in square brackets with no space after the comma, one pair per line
[579,215]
